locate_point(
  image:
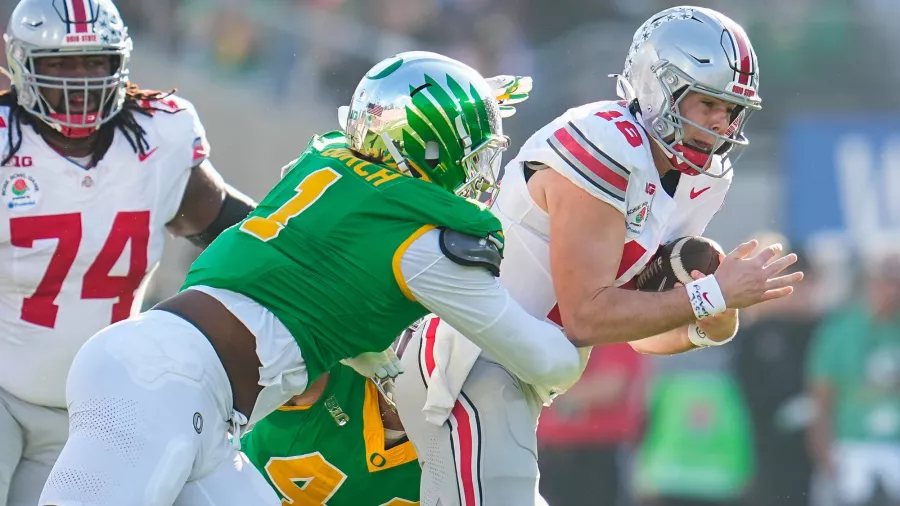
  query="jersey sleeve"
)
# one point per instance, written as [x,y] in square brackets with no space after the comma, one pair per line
[474,303]
[589,151]
[186,147]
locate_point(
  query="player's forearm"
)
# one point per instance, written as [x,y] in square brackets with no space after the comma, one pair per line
[473,302]
[668,343]
[533,350]
[616,315]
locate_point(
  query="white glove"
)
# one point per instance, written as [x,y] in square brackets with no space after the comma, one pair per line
[378,365]
[510,90]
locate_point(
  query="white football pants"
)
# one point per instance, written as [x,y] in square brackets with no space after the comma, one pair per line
[149,411]
[485,454]
[31,438]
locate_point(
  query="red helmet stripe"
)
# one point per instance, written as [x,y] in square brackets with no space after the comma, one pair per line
[745,54]
[80,14]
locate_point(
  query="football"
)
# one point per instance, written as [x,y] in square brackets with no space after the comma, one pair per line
[674,262]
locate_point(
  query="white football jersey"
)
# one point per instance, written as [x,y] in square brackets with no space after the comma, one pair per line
[601,148]
[76,243]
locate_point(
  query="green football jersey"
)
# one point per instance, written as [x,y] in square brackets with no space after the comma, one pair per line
[333,451]
[322,251]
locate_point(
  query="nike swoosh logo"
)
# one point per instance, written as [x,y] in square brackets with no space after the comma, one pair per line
[706,296]
[696,193]
[150,153]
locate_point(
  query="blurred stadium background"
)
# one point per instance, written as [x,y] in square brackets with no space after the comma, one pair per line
[729,426]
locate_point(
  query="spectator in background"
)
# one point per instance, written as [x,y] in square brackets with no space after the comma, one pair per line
[772,342]
[853,372]
[581,435]
[697,449]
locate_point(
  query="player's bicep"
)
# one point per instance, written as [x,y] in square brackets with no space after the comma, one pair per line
[586,238]
[200,202]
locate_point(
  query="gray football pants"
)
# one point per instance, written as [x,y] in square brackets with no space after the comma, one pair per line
[485,454]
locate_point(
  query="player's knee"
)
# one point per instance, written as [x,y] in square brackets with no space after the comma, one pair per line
[172,471]
[98,470]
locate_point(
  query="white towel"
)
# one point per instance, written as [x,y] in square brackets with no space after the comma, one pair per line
[454,355]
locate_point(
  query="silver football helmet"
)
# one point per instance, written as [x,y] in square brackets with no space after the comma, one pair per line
[42,28]
[684,49]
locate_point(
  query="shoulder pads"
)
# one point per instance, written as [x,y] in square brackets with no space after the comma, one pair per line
[470,250]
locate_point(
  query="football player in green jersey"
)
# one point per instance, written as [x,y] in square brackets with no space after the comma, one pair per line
[340,442]
[368,230]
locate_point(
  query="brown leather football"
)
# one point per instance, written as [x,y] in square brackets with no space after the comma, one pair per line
[674,262]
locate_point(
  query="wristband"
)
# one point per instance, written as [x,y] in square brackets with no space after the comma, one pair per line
[701,340]
[706,297]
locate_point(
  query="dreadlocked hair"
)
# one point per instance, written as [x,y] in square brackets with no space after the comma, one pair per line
[137,101]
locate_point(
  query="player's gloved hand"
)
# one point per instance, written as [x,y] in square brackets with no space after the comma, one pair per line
[379,365]
[510,90]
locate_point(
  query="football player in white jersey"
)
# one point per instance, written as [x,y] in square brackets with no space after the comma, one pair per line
[94,172]
[608,182]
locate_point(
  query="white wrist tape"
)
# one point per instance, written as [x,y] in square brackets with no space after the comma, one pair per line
[700,339]
[706,297]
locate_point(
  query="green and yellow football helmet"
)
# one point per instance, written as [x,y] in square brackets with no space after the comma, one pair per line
[430,117]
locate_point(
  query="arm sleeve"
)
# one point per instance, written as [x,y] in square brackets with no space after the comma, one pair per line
[474,303]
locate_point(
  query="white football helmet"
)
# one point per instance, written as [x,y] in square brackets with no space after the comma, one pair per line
[41,28]
[686,49]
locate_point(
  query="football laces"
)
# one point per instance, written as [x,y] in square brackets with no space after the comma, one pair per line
[649,271]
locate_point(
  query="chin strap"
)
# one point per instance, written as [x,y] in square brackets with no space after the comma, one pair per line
[74,132]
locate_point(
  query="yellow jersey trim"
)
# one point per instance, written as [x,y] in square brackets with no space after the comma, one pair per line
[398,256]
[377,458]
